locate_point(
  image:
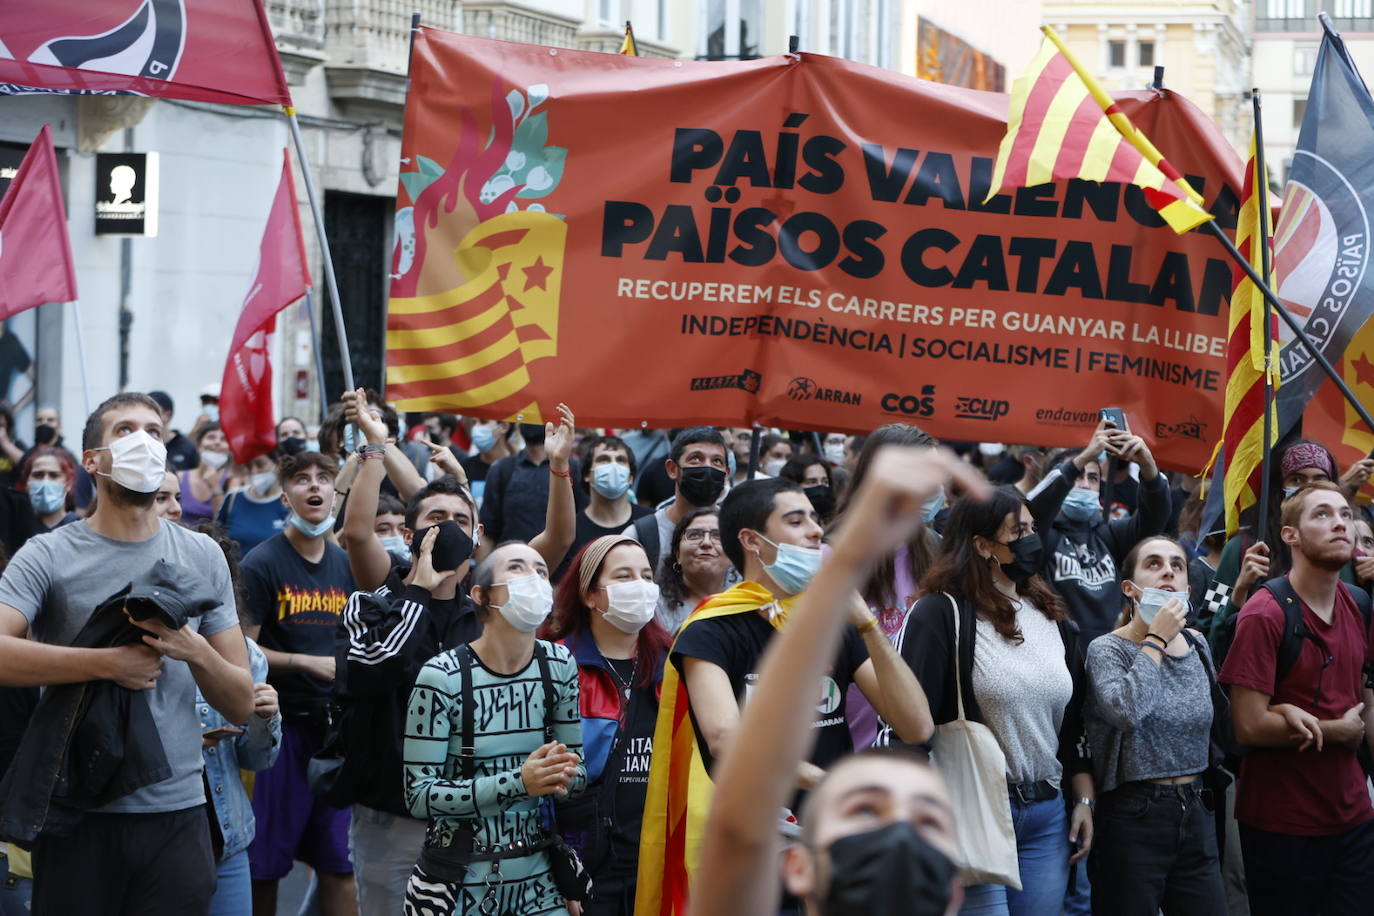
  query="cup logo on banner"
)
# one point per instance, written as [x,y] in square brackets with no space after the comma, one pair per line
[463,330]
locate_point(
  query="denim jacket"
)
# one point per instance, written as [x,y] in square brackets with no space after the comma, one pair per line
[255,749]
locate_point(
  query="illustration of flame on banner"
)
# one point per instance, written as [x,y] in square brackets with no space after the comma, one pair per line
[478,265]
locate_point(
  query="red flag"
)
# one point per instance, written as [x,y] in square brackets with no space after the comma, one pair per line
[282,276]
[35,253]
[203,50]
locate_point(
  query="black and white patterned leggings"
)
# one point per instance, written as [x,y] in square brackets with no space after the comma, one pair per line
[533,895]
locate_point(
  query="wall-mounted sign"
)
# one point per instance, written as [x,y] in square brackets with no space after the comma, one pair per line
[126,194]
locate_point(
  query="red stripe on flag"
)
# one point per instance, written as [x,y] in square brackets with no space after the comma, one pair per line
[1075,146]
[456,383]
[442,318]
[466,346]
[1125,163]
[1038,102]
[1169,171]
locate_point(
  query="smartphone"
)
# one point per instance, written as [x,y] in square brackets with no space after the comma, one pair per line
[1116,417]
[227,731]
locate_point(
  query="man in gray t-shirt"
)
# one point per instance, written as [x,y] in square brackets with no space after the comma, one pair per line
[160,861]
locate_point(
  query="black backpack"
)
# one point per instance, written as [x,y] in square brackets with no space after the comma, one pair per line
[1295,630]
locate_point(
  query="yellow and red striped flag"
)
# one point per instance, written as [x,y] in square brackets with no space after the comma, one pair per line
[628,45]
[1243,415]
[1062,125]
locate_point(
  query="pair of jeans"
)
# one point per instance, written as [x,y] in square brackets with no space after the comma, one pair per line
[1155,848]
[1042,853]
[1331,875]
[234,892]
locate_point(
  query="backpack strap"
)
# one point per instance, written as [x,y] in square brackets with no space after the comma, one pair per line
[468,748]
[1294,630]
[550,698]
[646,532]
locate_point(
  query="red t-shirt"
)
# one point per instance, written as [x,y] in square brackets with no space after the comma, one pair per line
[1304,793]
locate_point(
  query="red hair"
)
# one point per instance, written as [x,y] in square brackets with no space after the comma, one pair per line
[64,461]
[571,614]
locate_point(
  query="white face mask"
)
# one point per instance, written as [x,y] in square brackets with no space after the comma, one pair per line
[834,453]
[630,605]
[529,599]
[261,483]
[214,460]
[773,468]
[138,462]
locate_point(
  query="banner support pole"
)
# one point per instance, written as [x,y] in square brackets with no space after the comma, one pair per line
[755,440]
[315,345]
[81,355]
[1292,323]
[331,284]
[1262,184]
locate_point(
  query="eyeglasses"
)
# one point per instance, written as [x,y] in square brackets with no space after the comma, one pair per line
[697,535]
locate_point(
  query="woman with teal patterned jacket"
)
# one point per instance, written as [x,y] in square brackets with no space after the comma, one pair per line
[485,851]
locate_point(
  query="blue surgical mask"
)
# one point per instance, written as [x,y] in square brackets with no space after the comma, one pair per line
[1081,505]
[309,530]
[932,506]
[1289,491]
[484,438]
[350,439]
[794,566]
[731,462]
[611,480]
[396,545]
[47,495]
[212,412]
[1151,600]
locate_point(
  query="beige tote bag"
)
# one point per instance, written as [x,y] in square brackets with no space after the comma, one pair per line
[975,769]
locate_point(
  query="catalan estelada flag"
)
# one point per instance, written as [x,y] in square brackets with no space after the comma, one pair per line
[1062,125]
[628,44]
[679,794]
[1243,415]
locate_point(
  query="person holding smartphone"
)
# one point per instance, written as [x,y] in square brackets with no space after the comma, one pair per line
[1149,715]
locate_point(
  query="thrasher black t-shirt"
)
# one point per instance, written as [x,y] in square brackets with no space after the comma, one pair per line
[736,644]
[299,606]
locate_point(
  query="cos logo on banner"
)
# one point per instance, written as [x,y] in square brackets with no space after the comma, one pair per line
[910,405]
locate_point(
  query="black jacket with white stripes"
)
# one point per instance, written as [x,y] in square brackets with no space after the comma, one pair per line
[385,638]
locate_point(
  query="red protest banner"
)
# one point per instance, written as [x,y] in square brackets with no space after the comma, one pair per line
[800,242]
[204,50]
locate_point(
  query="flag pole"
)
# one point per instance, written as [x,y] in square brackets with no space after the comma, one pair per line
[331,284]
[315,345]
[1288,319]
[81,355]
[1262,193]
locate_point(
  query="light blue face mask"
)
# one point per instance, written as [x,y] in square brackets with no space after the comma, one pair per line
[350,439]
[396,545]
[309,530]
[212,412]
[794,566]
[484,438]
[1151,600]
[47,495]
[611,480]
[932,506]
[1081,505]
[732,462]
[1289,491]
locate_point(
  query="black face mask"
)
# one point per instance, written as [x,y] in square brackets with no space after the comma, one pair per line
[1027,553]
[822,499]
[891,871]
[532,433]
[701,485]
[44,435]
[291,445]
[452,548]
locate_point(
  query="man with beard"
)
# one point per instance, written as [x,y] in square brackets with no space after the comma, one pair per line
[149,851]
[698,466]
[1306,823]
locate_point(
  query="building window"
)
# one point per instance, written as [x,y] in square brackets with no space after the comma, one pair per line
[1286,15]
[662,30]
[1299,109]
[1352,15]
[1145,53]
[1116,54]
[1304,59]
[605,14]
[733,28]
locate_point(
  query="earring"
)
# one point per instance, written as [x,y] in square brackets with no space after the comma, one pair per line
[677,567]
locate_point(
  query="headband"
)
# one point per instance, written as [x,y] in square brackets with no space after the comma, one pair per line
[595,554]
[1306,455]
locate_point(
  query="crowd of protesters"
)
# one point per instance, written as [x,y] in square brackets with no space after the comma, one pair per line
[455,665]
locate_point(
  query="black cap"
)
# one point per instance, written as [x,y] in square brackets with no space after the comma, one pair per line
[163,399]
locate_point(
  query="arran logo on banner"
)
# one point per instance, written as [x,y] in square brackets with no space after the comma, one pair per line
[1321,253]
[1191,428]
[748,380]
[149,42]
[802,388]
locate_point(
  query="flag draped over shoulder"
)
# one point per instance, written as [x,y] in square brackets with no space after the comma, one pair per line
[1062,125]
[35,252]
[202,50]
[1322,267]
[282,277]
[1243,417]
[679,794]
